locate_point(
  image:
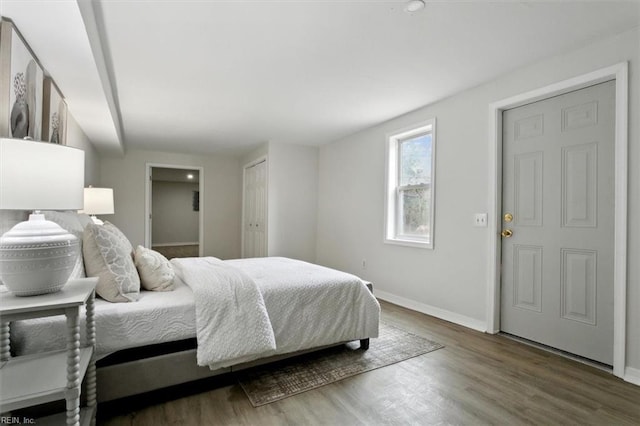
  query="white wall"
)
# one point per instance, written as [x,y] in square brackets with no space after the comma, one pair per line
[221,201]
[174,220]
[450,281]
[292,198]
[77,138]
[293,195]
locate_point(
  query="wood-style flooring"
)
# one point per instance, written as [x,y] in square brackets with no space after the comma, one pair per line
[170,252]
[476,379]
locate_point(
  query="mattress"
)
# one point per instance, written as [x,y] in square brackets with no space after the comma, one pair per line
[155,318]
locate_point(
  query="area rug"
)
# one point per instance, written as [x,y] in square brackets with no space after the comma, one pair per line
[279,380]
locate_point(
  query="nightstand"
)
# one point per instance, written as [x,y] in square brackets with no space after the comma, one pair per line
[39,378]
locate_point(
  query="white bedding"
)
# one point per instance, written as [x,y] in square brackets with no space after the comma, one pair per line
[308,306]
[155,318]
[232,324]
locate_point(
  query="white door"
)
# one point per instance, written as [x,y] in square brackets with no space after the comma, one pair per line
[255,210]
[558,186]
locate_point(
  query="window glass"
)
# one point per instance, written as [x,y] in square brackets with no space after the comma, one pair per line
[415,160]
[415,212]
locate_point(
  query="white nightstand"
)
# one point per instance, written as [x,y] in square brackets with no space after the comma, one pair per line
[36,379]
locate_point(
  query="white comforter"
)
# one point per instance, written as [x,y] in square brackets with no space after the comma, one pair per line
[232,324]
[306,305]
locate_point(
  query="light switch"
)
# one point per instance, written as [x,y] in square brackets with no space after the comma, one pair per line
[480,220]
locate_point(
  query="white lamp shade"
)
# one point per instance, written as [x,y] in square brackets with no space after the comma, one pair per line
[98,201]
[40,176]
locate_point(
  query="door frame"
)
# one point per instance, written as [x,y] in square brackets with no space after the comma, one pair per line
[148,200]
[265,159]
[619,73]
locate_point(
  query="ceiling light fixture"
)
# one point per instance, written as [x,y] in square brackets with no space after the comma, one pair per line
[189,176]
[414,6]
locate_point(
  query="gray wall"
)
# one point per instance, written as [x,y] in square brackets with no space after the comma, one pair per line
[451,280]
[221,201]
[174,220]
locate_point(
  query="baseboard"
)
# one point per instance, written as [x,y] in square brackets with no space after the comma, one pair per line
[632,375]
[176,244]
[432,310]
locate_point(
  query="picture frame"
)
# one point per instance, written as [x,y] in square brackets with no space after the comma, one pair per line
[21,86]
[54,114]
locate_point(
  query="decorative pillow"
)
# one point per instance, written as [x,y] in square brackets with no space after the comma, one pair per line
[108,256]
[69,221]
[155,270]
[118,234]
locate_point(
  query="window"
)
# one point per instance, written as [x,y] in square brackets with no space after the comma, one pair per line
[409,204]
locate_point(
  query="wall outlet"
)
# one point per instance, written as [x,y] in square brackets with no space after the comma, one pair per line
[480,220]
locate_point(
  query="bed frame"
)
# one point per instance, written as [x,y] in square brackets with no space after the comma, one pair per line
[135,371]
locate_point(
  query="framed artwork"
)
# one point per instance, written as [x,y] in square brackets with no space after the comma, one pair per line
[21,85]
[54,114]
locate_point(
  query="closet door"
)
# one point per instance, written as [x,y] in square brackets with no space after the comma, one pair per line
[255,211]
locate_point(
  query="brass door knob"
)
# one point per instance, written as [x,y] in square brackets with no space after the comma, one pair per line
[506,233]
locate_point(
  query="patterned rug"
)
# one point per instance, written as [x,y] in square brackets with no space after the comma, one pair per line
[279,380]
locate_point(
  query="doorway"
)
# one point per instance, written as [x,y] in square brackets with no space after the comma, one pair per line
[174,210]
[619,73]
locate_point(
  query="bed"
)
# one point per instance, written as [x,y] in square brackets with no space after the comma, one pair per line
[189,334]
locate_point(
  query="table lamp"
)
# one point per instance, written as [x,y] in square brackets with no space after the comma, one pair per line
[38,256]
[98,201]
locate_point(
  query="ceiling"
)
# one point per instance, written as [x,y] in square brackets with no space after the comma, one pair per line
[226,76]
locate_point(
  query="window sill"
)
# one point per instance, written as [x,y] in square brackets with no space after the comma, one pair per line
[409,243]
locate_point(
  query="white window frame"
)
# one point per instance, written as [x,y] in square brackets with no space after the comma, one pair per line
[393,189]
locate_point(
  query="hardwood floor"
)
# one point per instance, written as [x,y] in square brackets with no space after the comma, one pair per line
[476,379]
[192,250]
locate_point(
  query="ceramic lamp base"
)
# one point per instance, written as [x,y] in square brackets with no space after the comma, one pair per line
[37,257]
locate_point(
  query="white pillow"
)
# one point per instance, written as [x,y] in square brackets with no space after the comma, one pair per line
[71,223]
[108,256]
[156,272]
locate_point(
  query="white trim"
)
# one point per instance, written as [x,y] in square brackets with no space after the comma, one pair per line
[265,159]
[619,72]
[632,375]
[147,201]
[188,243]
[453,317]
[391,169]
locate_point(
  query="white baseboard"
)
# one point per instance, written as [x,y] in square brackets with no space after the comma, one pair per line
[432,310]
[632,375]
[176,244]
